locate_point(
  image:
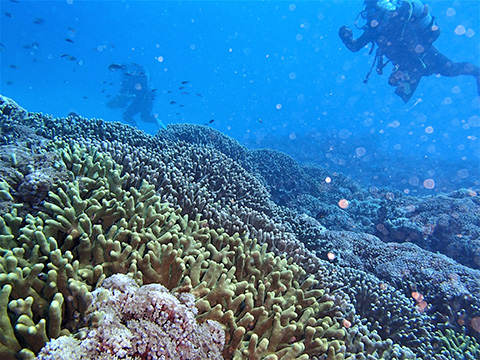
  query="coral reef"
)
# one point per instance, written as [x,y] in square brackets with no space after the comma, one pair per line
[92,227]
[205,136]
[30,172]
[194,211]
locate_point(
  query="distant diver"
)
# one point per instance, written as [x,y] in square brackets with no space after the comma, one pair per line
[135,94]
[404,32]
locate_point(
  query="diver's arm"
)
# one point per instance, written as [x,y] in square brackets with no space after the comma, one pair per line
[352,44]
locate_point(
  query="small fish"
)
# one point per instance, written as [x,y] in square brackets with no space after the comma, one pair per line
[184,93]
[84,97]
[35,60]
[103,90]
[177,114]
[260,121]
[199,95]
[7,14]
[180,105]
[42,276]
[64,55]
[2,47]
[211,121]
[9,83]
[185,82]
[172,102]
[169,92]
[12,66]
[115,67]
[109,95]
[33,45]
[104,81]
[181,88]
[72,58]
[38,21]
[72,30]
[70,40]
[153,90]
[14,1]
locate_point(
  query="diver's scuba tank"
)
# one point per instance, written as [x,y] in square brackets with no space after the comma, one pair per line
[425,24]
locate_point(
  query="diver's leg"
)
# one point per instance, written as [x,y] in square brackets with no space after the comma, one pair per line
[146,110]
[446,67]
[462,68]
[437,63]
[130,112]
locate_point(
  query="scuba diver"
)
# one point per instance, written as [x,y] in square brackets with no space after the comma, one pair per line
[135,95]
[404,32]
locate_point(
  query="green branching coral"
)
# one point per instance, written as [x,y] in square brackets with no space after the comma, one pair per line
[448,344]
[92,227]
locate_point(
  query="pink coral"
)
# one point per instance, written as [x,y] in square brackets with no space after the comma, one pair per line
[141,323]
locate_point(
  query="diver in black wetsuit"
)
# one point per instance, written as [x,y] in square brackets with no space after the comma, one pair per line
[135,94]
[404,32]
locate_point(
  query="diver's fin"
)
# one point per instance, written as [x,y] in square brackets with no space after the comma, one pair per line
[161,124]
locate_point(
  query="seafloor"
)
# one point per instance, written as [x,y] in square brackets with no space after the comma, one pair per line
[259,257]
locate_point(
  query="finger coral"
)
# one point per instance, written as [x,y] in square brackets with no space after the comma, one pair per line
[92,227]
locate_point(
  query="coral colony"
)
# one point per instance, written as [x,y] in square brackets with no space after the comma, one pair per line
[186,245]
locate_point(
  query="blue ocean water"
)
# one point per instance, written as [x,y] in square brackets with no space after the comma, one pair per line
[268,73]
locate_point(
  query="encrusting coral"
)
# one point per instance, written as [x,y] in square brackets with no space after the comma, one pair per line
[140,322]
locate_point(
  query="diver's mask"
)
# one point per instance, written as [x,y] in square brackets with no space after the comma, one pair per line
[389,5]
[373,7]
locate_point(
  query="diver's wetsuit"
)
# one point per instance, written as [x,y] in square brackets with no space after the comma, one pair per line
[409,48]
[135,83]
[142,103]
